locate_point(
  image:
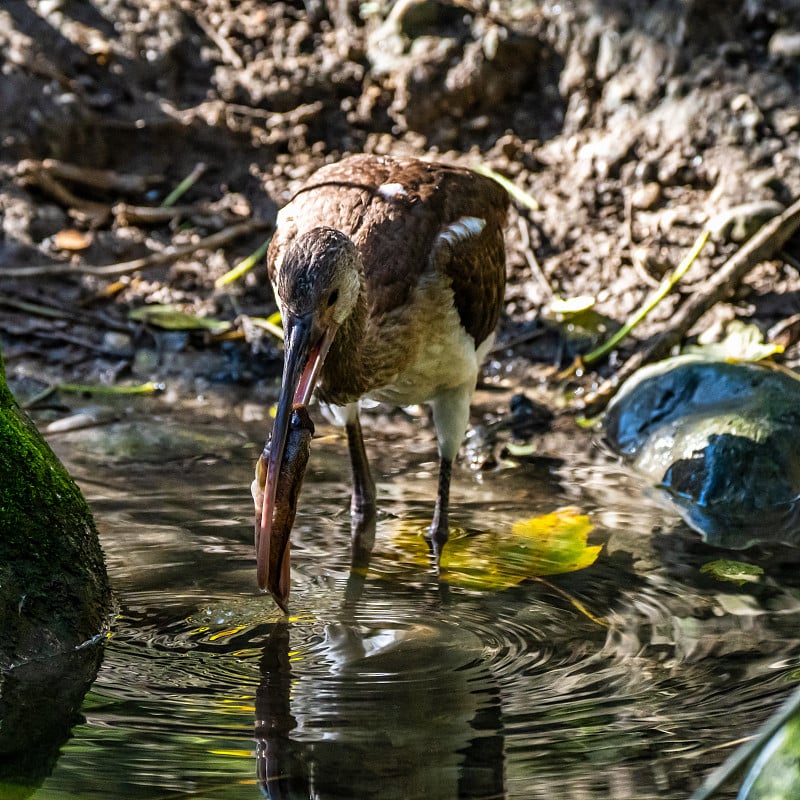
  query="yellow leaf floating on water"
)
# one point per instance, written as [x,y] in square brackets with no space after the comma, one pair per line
[547,545]
[556,542]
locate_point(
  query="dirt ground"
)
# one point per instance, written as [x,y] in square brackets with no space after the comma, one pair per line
[630,124]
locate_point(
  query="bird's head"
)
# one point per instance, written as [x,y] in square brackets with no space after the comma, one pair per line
[317,288]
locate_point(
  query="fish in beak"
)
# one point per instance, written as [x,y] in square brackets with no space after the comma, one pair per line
[282,464]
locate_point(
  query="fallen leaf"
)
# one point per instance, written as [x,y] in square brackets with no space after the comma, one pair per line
[742,342]
[551,544]
[571,305]
[70,239]
[173,318]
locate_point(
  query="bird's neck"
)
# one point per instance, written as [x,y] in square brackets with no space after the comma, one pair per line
[346,374]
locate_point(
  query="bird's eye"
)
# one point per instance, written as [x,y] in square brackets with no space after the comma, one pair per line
[333,297]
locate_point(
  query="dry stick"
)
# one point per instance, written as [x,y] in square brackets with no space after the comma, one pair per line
[126,214]
[155,259]
[229,55]
[272,119]
[761,247]
[664,289]
[530,257]
[105,179]
[47,183]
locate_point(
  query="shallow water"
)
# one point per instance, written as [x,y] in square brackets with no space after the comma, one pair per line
[629,679]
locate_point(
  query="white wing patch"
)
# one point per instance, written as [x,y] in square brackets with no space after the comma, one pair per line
[462,229]
[391,191]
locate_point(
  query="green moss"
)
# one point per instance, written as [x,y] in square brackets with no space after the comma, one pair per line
[53,584]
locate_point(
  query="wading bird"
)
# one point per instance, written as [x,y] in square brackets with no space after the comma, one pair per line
[389,275]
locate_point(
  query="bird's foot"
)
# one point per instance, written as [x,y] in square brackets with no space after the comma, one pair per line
[437,538]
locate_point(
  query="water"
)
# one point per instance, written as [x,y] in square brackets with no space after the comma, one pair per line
[629,679]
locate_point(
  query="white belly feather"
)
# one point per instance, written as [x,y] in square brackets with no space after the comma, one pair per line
[445,354]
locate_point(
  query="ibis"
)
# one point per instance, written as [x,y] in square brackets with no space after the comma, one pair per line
[389,275]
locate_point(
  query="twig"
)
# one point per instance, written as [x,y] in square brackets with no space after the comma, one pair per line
[533,264]
[38,310]
[768,241]
[243,267]
[666,287]
[521,196]
[104,179]
[127,214]
[213,109]
[573,601]
[184,186]
[47,183]
[229,55]
[153,260]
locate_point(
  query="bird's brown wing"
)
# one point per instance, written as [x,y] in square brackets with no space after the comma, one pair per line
[398,211]
[474,262]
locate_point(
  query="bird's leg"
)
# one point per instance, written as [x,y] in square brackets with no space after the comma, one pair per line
[362,504]
[439,527]
[450,418]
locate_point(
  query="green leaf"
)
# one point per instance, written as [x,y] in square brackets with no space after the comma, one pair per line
[738,572]
[172,318]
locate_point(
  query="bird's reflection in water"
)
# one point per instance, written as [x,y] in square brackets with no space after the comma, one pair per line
[385,710]
[274,720]
[361,734]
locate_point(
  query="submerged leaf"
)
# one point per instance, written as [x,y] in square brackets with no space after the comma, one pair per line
[173,318]
[547,545]
[738,572]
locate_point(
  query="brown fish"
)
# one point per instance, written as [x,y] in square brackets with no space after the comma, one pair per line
[273,551]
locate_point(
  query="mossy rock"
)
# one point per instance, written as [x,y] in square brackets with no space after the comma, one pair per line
[54,592]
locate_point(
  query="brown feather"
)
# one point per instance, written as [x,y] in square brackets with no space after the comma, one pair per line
[396,234]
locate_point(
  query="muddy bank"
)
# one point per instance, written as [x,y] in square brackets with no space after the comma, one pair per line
[630,127]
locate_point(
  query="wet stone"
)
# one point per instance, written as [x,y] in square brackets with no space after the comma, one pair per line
[722,439]
[785,44]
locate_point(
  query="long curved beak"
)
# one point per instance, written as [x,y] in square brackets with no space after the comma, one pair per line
[304,353]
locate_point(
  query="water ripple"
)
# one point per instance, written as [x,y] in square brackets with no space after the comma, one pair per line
[386,682]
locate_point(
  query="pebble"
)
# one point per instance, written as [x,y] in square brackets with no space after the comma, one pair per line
[81,418]
[647,196]
[785,120]
[117,341]
[785,44]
